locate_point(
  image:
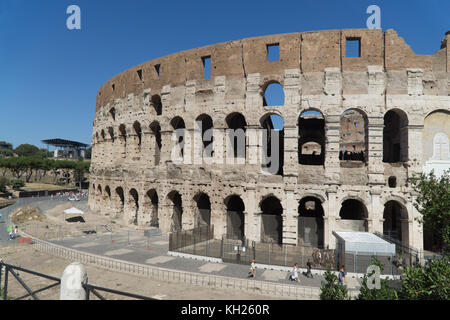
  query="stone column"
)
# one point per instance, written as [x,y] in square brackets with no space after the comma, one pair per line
[375,152]
[290,219]
[330,224]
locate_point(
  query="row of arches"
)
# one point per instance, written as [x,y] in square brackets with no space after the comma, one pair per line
[353,143]
[353,214]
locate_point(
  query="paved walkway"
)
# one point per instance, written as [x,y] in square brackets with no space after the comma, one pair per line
[133,246]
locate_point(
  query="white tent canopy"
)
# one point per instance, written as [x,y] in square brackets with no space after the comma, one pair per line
[73,210]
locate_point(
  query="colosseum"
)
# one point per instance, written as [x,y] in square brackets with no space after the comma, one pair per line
[354,130]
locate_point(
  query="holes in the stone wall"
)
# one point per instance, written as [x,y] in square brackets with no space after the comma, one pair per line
[113,87]
[139,72]
[353,47]
[237,123]
[273,133]
[138,132]
[206,67]
[353,143]
[273,95]
[158,70]
[273,52]
[392,182]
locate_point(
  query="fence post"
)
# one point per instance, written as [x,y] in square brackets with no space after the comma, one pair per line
[72,280]
[5,287]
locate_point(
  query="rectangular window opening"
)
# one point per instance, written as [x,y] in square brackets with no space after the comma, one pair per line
[113,86]
[273,52]
[353,47]
[158,70]
[139,72]
[206,67]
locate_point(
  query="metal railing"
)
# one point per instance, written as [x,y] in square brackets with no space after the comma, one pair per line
[90,288]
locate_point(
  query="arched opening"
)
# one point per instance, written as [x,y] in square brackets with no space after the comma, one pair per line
[436,142]
[152,199]
[353,216]
[102,134]
[395,224]
[273,95]
[271,220]
[203,209]
[98,196]
[123,139]
[206,123]
[177,211]
[107,199]
[111,133]
[119,202]
[133,204]
[112,113]
[310,222]
[138,132]
[395,136]
[156,131]
[353,142]
[311,141]
[235,217]
[273,143]
[237,127]
[156,103]
[179,127]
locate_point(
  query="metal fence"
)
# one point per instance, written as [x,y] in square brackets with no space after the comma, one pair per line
[242,252]
[197,241]
[13,271]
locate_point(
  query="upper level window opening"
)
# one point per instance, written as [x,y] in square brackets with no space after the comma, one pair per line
[273,52]
[206,67]
[273,95]
[139,72]
[353,47]
[158,70]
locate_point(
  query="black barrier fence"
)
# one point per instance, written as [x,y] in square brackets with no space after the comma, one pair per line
[197,241]
[200,241]
[242,252]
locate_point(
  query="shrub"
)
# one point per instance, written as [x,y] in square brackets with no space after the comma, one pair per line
[17,184]
[331,290]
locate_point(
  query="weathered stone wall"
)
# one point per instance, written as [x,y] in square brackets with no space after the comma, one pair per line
[316,75]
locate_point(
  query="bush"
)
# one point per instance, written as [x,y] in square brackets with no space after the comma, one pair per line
[331,290]
[429,282]
[17,184]
[3,183]
[383,293]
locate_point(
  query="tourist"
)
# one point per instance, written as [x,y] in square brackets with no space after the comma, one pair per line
[308,270]
[341,279]
[294,273]
[251,274]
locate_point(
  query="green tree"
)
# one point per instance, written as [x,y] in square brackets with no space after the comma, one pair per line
[429,282]
[384,292]
[3,183]
[17,184]
[331,290]
[27,150]
[433,203]
[81,167]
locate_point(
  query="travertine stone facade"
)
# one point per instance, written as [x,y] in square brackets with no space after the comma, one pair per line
[391,89]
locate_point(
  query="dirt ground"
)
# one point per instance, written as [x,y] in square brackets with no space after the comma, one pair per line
[53,224]
[26,257]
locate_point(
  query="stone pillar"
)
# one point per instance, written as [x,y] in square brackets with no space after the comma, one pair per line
[148,149]
[72,280]
[252,216]
[290,219]
[332,164]
[167,146]
[415,149]
[375,152]
[332,208]
[377,210]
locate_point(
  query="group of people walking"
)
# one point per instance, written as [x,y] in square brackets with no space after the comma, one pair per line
[294,276]
[12,232]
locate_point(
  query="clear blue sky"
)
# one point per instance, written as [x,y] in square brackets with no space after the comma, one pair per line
[49,75]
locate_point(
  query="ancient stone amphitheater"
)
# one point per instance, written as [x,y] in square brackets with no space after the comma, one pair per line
[355,129]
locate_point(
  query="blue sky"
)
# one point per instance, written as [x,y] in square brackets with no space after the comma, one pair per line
[49,75]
